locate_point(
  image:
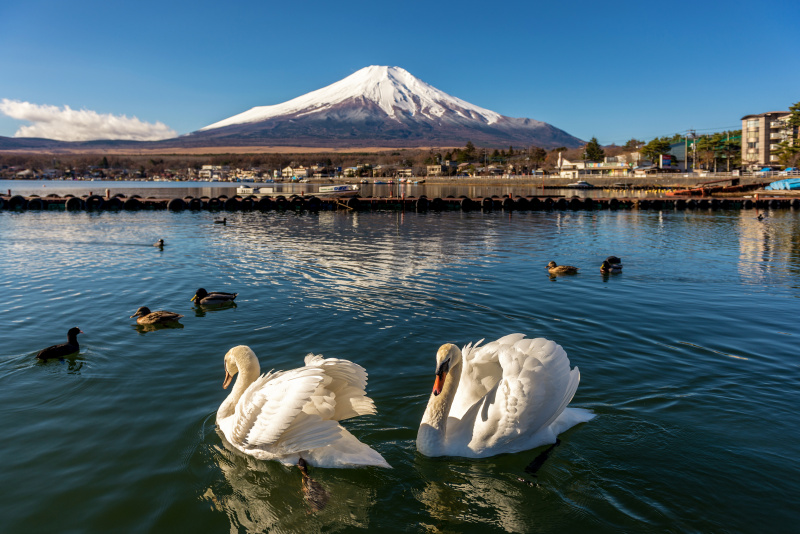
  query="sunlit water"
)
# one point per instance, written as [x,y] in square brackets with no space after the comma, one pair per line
[689,359]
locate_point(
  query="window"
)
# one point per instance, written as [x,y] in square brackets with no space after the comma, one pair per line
[752,123]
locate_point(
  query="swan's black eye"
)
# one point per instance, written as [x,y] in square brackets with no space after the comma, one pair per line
[444,367]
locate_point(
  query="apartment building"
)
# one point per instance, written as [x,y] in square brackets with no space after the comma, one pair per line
[760,137]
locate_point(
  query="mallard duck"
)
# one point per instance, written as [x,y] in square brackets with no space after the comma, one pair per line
[145,316]
[561,269]
[205,298]
[607,267]
[65,349]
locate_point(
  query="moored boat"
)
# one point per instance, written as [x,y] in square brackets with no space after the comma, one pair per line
[338,189]
[580,184]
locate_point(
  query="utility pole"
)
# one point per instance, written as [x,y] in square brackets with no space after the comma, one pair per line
[694,158]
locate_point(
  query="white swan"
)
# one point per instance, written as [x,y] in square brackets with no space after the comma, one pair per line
[294,414]
[507,396]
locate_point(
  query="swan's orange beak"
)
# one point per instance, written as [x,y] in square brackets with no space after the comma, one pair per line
[439,383]
[228,378]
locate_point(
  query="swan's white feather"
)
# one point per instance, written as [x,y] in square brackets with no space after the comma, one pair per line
[512,396]
[347,381]
[291,414]
[271,404]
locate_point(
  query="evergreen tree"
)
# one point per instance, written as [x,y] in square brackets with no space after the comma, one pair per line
[656,147]
[593,151]
[788,151]
[538,156]
[470,150]
[633,144]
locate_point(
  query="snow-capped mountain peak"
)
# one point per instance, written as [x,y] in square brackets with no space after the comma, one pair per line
[393,89]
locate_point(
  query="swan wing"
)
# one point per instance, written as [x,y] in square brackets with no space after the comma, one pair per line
[481,372]
[536,386]
[307,432]
[342,394]
[271,404]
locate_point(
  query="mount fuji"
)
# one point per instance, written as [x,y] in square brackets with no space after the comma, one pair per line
[376,106]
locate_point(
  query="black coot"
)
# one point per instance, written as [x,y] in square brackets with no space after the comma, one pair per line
[65,349]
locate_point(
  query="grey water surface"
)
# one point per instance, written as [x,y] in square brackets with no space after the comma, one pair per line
[689,358]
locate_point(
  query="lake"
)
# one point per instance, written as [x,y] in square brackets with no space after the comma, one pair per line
[688,358]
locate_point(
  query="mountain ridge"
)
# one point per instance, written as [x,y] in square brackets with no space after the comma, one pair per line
[374,106]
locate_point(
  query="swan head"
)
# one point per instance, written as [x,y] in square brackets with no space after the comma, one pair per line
[238,357]
[447,357]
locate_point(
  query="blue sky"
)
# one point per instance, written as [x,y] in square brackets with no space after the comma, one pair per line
[612,70]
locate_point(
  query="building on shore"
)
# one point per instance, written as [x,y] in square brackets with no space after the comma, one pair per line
[622,165]
[760,137]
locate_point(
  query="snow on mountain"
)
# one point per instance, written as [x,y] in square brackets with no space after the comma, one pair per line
[376,106]
[395,91]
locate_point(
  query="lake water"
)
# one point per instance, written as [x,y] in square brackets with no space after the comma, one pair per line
[688,357]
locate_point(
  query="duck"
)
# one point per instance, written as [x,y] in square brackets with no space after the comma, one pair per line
[289,415]
[508,396]
[65,349]
[224,220]
[145,316]
[611,264]
[313,492]
[159,243]
[561,269]
[205,298]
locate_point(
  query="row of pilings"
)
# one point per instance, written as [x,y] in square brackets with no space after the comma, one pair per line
[121,202]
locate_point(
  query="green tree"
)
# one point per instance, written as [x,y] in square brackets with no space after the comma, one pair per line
[655,148]
[470,151]
[537,156]
[633,144]
[788,150]
[593,151]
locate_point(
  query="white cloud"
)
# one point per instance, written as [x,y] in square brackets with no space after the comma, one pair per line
[67,124]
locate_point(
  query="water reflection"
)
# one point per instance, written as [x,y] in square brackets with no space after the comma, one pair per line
[263,496]
[473,493]
[145,328]
[200,310]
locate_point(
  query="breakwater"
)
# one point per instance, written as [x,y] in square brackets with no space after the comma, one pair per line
[422,203]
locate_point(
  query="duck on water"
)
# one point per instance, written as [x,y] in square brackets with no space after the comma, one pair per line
[204,298]
[145,316]
[64,349]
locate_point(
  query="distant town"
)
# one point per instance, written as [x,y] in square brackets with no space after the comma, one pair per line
[767,143]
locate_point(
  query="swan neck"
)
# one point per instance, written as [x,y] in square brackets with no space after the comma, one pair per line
[432,433]
[248,372]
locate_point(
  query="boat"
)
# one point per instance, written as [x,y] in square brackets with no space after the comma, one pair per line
[254,190]
[580,184]
[787,184]
[338,189]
